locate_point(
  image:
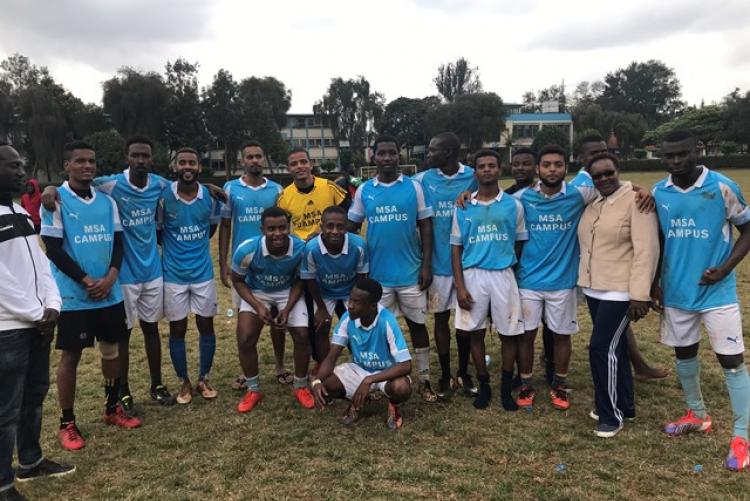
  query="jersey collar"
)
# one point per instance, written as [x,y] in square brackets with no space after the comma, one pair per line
[461,169]
[697,184]
[86,201]
[474,200]
[126,173]
[259,187]
[264,248]
[199,196]
[344,250]
[376,181]
[370,327]
[562,192]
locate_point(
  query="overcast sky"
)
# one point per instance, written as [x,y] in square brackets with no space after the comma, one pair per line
[396,45]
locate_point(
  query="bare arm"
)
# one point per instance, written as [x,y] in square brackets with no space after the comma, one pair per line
[325,370]
[247,295]
[462,295]
[425,233]
[225,235]
[739,251]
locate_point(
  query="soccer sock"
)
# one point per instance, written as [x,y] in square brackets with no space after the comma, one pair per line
[253,383]
[300,382]
[124,389]
[112,392]
[483,398]
[423,362]
[506,395]
[464,351]
[67,417]
[525,379]
[179,357]
[207,345]
[738,385]
[445,366]
[688,371]
[559,380]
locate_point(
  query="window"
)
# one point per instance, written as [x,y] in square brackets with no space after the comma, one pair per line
[525,131]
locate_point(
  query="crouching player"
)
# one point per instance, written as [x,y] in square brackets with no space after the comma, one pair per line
[380,357]
[265,274]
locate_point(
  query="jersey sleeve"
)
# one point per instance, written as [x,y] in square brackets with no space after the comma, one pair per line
[340,334]
[357,210]
[582,178]
[116,224]
[337,193]
[735,207]
[216,209]
[588,193]
[52,225]
[521,233]
[105,184]
[456,238]
[396,342]
[160,214]
[226,209]
[242,257]
[424,210]
[308,268]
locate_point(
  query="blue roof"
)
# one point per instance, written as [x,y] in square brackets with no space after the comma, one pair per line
[541,117]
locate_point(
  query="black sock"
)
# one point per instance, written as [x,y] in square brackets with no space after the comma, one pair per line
[484,397]
[549,371]
[506,397]
[155,381]
[111,391]
[124,389]
[464,350]
[445,365]
[67,417]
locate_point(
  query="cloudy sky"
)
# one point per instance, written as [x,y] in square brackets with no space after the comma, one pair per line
[396,45]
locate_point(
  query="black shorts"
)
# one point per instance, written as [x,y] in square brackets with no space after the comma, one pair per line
[77,329]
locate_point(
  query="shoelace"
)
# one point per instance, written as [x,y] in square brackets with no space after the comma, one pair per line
[71,432]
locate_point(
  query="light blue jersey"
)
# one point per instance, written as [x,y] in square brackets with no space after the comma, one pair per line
[87,228]
[335,273]
[391,211]
[186,226]
[549,260]
[244,206]
[265,272]
[488,232]
[141,261]
[582,179]
[696,225]
[376,347]
[441,192]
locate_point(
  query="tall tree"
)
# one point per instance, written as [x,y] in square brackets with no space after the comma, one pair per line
[135,102]
[475,118]
[550,135]
[265,102]
[650,89]
[629,128]
[109,146]
[738,117]
[707,123]
[406,119]
[533,103]
[20,73]
[224,116]
[352,108]
[456,79]
[183,115]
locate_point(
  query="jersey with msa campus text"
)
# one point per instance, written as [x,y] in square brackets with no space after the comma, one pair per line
[441,192]
[306,208]
[391,212]
[244,206]
[488,232]
[87,227]
[264,271]
[549,260]
[696,225]
[376,347]
[186,233]
[140,261]
[335,274]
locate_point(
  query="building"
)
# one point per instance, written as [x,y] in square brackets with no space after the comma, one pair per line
[313,133]
[522,128]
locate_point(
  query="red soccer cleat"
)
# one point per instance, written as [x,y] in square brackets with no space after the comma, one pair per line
[304,397]
[249,401]
[71,438]
[121,419]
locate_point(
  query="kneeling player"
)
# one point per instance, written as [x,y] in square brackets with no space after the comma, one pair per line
[380,357]
[265,274]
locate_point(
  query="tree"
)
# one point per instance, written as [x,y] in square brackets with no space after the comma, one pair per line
[406,119]
[475,118]
[532,103]
[110,149]
[737,117]
[586,93]
[183,116]
[223,112]
[352,109]
[650,89]
[629,128]
[550,135]
[135,102]
[456,79]
[20,74]
[265,102]
[707,123]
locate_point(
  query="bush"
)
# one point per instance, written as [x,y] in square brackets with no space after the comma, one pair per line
[639,153]
[328,166]
[728,147]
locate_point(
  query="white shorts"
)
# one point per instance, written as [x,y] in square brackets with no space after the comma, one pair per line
[351,376]
[441,295]
[331,305]
[723,324]
[181,299]
[495,293]
[144,301]
[236,299]
[558,307]
[409,300]
[298,315]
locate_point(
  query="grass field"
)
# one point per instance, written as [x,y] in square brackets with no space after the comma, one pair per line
[446,450]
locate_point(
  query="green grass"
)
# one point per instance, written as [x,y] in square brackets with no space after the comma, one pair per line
[447,450]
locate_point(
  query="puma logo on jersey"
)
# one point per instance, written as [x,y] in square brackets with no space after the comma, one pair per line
[433,188]
[74,215]
[239,197]
[125,199]
[370,197]
[734,339]
[665,207]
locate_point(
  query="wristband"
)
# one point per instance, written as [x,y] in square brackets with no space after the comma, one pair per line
[317,381]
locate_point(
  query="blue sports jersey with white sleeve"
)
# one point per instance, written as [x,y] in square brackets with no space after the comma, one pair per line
[488,232]
[141,261]
[391,211]
[244,206]
[697,227]
[441,192]
[186,227]
[376,347]
[582,179]
[264,271]
[87,228]
[335,273]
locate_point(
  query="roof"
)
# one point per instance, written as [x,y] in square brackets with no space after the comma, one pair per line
[540,117]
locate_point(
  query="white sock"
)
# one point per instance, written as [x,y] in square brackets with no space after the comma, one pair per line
[423,363]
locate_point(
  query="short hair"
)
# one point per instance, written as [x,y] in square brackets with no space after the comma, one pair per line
[75,145]
[372,287]
[274,212]
[385,138]
[553,149]
[187,149]
[678,135]
[297,149]
[592,138]
[603,156]
[333,209]
[451,140]
[524,151]
[486,152]
[250,144]
[138,140]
